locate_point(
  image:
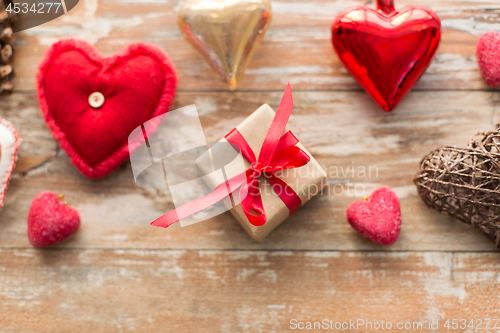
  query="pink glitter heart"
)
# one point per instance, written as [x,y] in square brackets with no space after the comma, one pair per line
[378,217]
[488,57]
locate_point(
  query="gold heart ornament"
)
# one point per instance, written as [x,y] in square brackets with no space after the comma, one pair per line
[226,32]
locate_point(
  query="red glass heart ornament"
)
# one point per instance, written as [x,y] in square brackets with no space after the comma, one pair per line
[386,51]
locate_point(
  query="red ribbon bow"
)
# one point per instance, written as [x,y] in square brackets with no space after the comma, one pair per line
[278,153]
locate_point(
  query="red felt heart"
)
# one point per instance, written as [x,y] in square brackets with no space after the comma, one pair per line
[378,218]
[8,155]
[384,50]
[50,221]
[488,57]
[138,84]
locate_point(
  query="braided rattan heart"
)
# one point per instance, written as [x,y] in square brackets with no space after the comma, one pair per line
[465,183]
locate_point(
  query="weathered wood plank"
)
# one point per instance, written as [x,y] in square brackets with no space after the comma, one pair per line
[242,291]
[345,131]
[297,47]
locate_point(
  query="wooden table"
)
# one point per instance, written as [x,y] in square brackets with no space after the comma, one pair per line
[118,274]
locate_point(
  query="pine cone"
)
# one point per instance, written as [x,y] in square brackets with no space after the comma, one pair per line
[7,50]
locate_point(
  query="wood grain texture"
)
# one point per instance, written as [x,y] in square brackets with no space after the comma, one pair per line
[360,146]
[296,48]
[242,291]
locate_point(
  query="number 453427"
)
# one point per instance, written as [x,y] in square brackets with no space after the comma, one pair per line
[478,324]
[42,8]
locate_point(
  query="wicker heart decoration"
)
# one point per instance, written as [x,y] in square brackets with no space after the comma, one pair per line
[465,183]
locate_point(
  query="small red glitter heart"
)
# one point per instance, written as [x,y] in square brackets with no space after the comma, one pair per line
[50,221]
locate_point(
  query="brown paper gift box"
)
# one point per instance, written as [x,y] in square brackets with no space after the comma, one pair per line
[306,181]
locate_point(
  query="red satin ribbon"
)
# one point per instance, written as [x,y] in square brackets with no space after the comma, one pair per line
[278,153]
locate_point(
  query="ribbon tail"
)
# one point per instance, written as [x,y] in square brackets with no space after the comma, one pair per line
[252,203]
[286,193]
[277,128]
[221,192]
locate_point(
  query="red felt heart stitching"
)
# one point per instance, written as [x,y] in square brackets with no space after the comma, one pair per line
[138,84]
[386,51]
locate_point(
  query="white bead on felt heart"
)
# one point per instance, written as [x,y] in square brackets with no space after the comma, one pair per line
[96,100]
